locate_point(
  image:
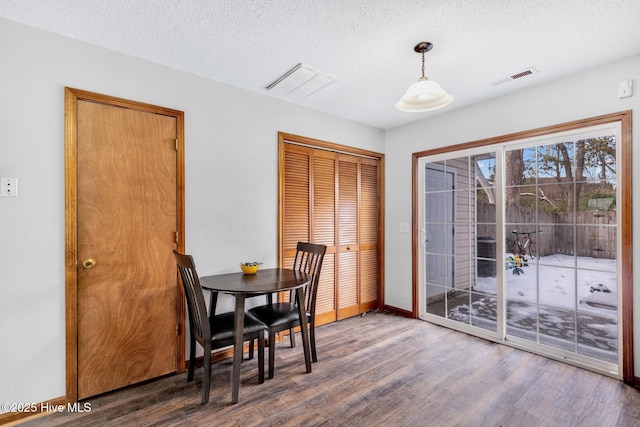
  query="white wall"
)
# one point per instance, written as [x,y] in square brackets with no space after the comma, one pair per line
[231,181]
[587,94]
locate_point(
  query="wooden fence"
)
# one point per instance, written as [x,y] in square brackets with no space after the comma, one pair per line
[592,234]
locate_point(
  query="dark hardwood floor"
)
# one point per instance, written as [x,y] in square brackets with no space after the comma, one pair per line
[378,370]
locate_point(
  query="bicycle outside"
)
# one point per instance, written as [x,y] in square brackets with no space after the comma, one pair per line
[523,244]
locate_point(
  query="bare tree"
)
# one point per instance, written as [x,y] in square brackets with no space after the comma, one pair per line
[567,164]
[514,176]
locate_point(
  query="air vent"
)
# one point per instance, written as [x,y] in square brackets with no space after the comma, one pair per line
[529,71]
[300,82]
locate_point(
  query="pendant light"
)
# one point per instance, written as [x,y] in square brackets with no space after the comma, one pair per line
[425,94]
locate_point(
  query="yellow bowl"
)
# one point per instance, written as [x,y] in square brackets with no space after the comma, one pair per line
[249,269]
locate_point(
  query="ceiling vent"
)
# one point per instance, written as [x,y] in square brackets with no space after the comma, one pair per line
[300,82]
[529,71]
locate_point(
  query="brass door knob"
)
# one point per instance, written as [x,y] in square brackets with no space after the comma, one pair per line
[89,263]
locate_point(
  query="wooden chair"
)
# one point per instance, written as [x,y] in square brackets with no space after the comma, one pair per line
[280,316]
[212,331]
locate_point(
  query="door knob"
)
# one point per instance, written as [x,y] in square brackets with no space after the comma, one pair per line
[89,263]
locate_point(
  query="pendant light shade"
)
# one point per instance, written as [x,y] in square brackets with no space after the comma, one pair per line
[425,94]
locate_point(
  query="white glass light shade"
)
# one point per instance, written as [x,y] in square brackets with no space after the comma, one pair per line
[424,95]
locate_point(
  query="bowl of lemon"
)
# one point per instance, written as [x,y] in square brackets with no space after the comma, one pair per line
[250,267]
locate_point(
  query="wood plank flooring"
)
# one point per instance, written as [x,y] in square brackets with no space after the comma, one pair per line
[378,370]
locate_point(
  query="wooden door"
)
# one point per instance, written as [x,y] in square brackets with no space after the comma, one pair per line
[127,227]
[358,235]
[347,249]
[323,228]
[334,199]
[369,233]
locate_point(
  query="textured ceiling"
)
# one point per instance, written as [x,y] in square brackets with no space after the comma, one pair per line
[366,44]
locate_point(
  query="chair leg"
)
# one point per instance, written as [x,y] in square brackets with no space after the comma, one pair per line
[206,379]
[192,358]
[251,349]
[272,353]
[292,337]
[260,356]
[312,339]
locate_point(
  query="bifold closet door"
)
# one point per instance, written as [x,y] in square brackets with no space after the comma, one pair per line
[309,216]
[357,251]
[368,225]
[332,199]
[323,230]
[347,250]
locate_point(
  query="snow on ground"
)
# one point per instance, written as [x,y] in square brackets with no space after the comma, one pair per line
[556,281]
[557,300]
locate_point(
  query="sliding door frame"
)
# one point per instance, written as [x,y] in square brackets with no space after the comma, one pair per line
[624,205]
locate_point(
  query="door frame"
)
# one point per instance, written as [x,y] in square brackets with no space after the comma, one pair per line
[625,208]
[72,97]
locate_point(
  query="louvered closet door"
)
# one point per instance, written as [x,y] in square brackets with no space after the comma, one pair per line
[323,230]
[297,173]
[368,238]
[309,216]
[347,258]
[332,199]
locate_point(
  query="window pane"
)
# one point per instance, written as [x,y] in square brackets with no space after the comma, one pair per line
[556,162]
[597,200]
[597,290]
[484,311]
[597,336]
[556,244]
[594,243]
[460,167]
[435,300]
[556,203]
[485,170]
[557,286]
[557,328]
[435,178]
[522,319]
[458,306]
[439,269]
[599,158]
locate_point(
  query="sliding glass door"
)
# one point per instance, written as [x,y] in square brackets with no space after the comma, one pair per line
[458,239]
[560,198]
[519,243]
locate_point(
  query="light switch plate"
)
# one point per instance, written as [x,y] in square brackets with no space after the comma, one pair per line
[625,89]
[8,187]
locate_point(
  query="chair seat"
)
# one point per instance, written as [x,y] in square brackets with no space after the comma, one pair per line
[222,326]
[277,314]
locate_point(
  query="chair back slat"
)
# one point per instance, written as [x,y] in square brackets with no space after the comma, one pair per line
[309,257]
[198,317]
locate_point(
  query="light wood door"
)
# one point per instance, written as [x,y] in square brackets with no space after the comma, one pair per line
[323,229]
[347,249]
[358,235]
[369,234]
[127,224]
[334,199]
